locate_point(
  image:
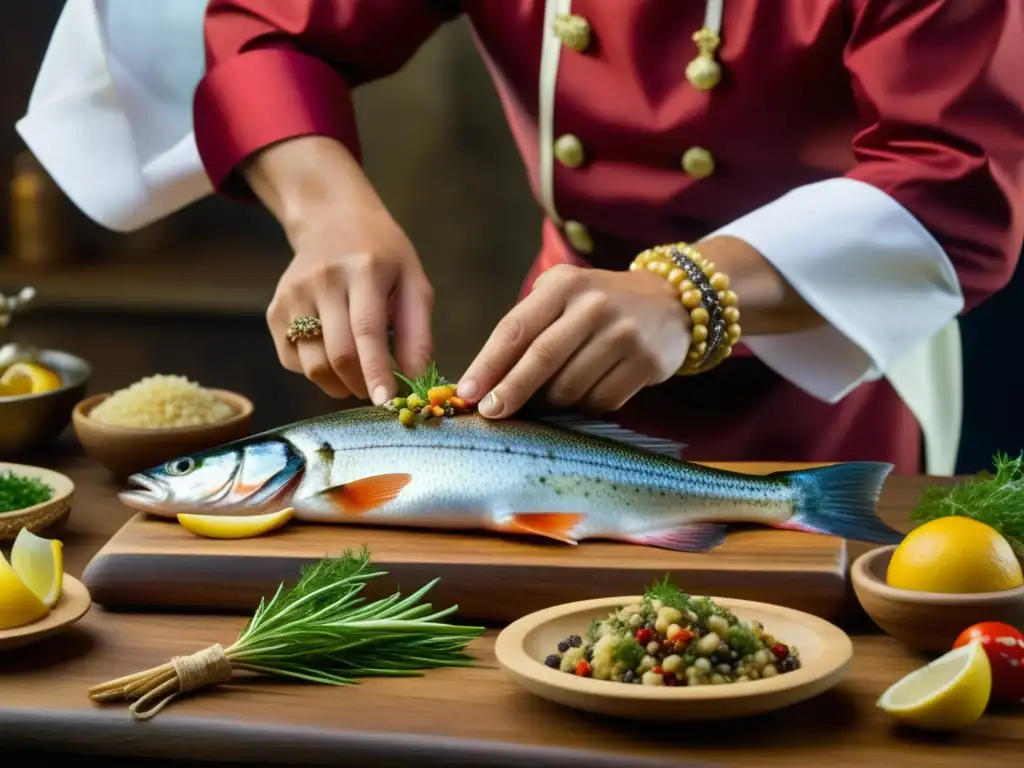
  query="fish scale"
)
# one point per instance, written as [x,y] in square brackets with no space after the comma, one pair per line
[566,480]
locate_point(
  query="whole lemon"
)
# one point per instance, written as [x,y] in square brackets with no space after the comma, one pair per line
[955,555]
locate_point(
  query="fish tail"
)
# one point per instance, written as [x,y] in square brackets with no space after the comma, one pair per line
[840,500]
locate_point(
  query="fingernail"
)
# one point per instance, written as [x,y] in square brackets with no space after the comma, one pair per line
[380,394]
[468,389]
[490,405]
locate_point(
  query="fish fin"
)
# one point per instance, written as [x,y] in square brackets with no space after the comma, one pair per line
[841,500]
[553,525]
[694,537]
[367,493]
[597,428]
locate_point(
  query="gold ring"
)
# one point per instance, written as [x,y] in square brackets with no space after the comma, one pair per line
[304,327]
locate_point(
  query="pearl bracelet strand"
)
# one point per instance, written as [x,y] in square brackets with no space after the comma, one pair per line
[705,294]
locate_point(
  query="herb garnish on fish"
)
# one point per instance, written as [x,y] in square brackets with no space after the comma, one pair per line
[995,499]
[431,397]
[319,631]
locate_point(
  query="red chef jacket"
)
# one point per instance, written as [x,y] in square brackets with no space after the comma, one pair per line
[902,95]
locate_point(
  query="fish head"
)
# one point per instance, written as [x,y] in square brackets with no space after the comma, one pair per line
[247,476]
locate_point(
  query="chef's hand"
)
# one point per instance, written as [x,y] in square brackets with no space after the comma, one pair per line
[353,268]
[587,338]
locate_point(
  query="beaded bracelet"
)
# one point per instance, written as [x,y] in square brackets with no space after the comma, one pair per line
[704,293]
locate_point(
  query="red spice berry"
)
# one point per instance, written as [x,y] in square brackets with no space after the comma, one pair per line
[683,638]
[644,636]
[779,651]
[658,671]
[583,668]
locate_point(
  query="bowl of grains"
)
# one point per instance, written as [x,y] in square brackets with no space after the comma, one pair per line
[157,419]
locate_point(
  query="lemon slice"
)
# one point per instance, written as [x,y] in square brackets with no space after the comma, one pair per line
[948,694]
[39,563]
[28,379]
[245,527]
[18,604]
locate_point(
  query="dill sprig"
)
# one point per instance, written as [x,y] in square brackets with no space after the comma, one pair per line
[425,382]
[320,631]
[993,498]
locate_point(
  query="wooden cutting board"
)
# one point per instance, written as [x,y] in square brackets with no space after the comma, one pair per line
[155,563]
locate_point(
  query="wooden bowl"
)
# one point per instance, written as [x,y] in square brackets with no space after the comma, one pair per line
[126,450]
[927,621]
[41,516]
[825,655]
[73,604]
[28,422]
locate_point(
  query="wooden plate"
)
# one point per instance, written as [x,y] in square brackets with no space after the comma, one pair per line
[825,655]
[74,603]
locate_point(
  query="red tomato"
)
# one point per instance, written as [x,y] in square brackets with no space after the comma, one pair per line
[1004,646]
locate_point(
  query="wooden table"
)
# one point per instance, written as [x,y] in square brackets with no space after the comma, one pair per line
[451,717]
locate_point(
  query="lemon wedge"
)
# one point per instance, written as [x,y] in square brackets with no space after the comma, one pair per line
[39,563]
[243,527]
[28,379]
[18,604]
[950,693]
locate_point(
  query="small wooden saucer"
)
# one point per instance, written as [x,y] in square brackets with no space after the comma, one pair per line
[825,654]
[73,604]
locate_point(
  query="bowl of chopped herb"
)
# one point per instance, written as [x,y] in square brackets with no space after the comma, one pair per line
[32,497]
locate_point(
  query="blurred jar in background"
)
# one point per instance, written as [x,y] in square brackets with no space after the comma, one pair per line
[39,236]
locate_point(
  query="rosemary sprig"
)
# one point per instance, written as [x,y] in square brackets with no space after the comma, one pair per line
[319,631]
[426,381]
[994,498]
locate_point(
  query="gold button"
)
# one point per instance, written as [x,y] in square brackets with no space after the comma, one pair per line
[573,31]
[569,151]
[578,237]
[703,73]
[698,162]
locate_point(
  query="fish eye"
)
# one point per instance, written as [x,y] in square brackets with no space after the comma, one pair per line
[180,466]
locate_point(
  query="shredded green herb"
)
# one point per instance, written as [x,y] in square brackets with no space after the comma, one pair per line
[425,382]
[321,631]
[20,492]
[993,498]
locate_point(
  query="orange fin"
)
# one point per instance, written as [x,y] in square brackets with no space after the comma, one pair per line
[366,494]
[553,525]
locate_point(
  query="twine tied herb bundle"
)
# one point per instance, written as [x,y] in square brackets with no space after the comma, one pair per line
[319,631]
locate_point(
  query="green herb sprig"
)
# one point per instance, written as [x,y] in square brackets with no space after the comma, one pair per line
[425,382]
[319,631]
[20,492]
[993,498]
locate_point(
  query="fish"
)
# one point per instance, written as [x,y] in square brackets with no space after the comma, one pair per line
[566,478]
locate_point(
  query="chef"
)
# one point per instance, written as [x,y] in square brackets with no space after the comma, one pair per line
[762,219]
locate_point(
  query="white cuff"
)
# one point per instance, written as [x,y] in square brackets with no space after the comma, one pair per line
[109,120]
[867,266]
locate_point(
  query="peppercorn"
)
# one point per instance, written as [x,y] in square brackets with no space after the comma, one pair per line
[582,668]
[553,661]
[563,646]
[628,676]
[575,641]
[788,664]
